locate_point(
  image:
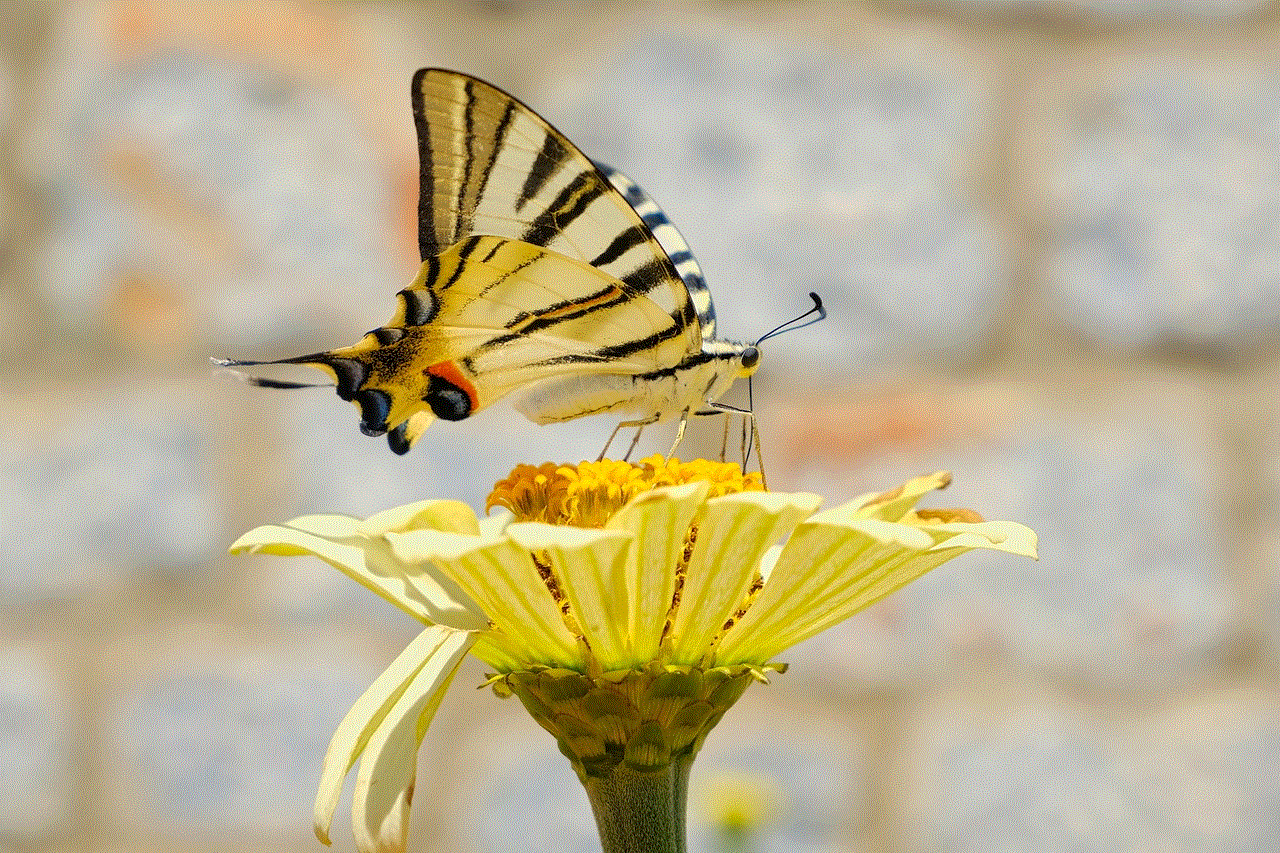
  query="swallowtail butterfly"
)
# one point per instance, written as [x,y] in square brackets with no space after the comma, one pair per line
[543,273]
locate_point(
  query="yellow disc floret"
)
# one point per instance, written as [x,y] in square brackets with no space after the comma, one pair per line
[587,494]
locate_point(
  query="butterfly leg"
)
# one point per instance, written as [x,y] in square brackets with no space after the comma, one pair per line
[634,441]
[747,415]
[684,421]
[638,424]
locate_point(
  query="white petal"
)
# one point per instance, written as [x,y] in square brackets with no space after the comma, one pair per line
[591,568]
[437,646]
[1008,536]
[385,781]
[495,524]
[769,560]
[503,580]
[328,526]
[894,504]
[734,531]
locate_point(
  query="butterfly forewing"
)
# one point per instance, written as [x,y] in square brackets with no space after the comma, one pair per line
[672,243]
[490,165]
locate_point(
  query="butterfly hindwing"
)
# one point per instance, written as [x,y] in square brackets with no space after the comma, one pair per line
[489,316]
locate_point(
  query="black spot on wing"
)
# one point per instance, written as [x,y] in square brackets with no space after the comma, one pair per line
[388,334]
[398,439]
[420,306]
[447,401]
[374,406]
[350,375]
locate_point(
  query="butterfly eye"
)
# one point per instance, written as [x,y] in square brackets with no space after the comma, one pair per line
[750,358]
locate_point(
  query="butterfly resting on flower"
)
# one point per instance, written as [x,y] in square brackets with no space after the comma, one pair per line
[543,273]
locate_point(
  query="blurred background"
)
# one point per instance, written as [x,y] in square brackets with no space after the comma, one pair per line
[1048,235]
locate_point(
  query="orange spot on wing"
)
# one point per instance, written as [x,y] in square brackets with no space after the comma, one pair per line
[451,373]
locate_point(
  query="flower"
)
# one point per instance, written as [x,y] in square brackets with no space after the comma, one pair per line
[627,606]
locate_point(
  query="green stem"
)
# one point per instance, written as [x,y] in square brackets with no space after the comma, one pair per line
[641,812]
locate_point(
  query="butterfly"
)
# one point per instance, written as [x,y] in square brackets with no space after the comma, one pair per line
[543,273]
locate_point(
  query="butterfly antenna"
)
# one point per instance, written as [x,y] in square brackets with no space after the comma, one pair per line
[789,326]
[260,381]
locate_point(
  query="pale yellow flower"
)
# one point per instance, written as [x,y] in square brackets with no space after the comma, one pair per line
[627,606]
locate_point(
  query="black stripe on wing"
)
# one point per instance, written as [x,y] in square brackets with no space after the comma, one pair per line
[567,206]
[427,243]
[672,242]
[548,161]
[467,125]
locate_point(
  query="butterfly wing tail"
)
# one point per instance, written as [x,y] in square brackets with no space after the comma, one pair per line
[368,374]
[260,381]
[402,436]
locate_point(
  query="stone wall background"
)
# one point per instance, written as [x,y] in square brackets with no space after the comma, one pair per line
[1049,238]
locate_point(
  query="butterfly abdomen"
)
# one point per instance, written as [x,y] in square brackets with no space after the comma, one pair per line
[663,394]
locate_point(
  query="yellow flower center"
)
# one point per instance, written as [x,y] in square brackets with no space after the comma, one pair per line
[587,494]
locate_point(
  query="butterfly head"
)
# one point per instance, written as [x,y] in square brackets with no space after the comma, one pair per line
[748,361]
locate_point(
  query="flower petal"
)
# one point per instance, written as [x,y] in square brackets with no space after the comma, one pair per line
[425,595]
[894,504]
[503,580]
[328,526]
[384,783]
[836,564]
[495,523]
[1007,536]
[453,516]
[427,663]
[659,522]
[590,566]
[734,531]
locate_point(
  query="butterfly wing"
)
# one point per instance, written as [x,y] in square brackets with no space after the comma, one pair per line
[490,165]
[489,316]
[537,265]
[672,243]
